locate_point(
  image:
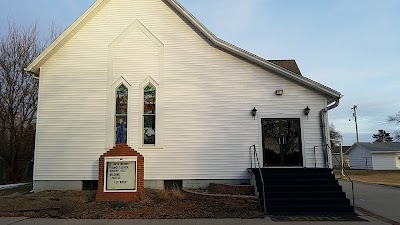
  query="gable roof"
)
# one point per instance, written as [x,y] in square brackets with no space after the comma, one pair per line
[289,64]
[281,68]
[378,147]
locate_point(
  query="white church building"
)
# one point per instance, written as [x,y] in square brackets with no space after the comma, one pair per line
[147,73]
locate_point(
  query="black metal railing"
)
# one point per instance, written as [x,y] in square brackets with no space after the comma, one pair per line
[258,165]
[345,173]
[315,156]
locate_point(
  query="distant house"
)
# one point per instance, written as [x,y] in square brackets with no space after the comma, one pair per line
[336,156]
[375,156]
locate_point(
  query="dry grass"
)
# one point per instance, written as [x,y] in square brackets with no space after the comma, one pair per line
[145,198]
[173,194]
[177,194]
[163,194]
[154,204]
[385,177]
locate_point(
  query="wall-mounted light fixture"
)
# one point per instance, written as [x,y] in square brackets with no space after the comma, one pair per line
[254,112]
[307,111]
[279,92]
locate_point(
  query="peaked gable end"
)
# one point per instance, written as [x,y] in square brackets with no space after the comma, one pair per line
[34,67]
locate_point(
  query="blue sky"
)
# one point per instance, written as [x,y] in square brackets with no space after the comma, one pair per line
[351,46]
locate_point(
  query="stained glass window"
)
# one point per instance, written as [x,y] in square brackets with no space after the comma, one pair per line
[149,114]
[121,114]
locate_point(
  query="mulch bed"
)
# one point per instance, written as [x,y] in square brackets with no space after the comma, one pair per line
[154,205]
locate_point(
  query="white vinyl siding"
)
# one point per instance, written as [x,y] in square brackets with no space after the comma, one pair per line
[207,98]
[384,161]
[360,158]
[398,160]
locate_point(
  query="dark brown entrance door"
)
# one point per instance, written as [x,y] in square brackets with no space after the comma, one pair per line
[281,141]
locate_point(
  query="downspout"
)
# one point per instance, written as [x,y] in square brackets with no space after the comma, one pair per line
[323,127]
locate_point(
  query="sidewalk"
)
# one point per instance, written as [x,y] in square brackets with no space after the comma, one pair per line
[267,220]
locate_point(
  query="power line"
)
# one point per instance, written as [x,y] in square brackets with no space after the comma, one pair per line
[345,127]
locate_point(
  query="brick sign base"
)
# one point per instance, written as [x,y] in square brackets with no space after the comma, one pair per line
[121,150]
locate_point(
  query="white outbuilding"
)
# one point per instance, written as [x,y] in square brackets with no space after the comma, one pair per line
[375,156]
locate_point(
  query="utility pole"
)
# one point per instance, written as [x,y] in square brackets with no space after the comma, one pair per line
[355,119]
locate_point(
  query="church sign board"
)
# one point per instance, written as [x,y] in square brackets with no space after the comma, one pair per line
[121,175]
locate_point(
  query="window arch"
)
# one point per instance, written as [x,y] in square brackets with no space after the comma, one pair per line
[149,114]
[121,114]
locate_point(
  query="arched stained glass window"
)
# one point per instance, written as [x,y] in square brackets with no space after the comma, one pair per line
[149,115]
[121,114]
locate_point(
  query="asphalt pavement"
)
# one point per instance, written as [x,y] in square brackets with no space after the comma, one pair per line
[378,199]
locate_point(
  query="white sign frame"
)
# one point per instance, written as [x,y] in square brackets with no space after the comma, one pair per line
[119,159]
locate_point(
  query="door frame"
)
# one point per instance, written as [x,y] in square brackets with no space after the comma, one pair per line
[282,116]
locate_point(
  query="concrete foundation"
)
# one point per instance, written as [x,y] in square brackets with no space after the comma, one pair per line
[151,184]
[205,183]
[44,185]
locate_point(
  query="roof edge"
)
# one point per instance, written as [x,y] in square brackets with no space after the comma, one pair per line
[34,67]
[384,152]
[250,56]
[65,36]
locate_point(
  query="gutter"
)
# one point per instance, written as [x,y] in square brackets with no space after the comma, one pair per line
[383,152]
[323,127]
[34,75]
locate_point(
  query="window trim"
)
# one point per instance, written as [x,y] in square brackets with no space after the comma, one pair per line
[158,114]
[116,84]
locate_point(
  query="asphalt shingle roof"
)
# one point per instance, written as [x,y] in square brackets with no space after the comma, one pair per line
[381,146]
[289,64]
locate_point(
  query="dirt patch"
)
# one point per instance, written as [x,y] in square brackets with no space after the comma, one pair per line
[154,205]
[231,189]
[385,177]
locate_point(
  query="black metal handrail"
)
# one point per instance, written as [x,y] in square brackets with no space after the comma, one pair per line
[345,172]
[257,163]
[315,156]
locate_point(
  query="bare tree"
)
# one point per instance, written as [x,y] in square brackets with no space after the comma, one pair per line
[395,119]
[19,46]
[334,134]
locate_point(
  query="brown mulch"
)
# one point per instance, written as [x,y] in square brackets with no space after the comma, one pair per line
[154,205]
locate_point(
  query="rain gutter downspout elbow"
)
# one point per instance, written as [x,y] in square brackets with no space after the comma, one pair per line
[34,75]
[323,127]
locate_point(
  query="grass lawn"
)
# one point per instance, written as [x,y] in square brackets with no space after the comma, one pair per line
[385,177]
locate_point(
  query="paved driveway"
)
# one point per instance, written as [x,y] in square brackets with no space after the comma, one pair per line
[378,199]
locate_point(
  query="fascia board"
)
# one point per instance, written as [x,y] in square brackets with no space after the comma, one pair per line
[34,67]
[250,56]
[384,152]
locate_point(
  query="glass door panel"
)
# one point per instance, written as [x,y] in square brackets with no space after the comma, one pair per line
[281,140]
